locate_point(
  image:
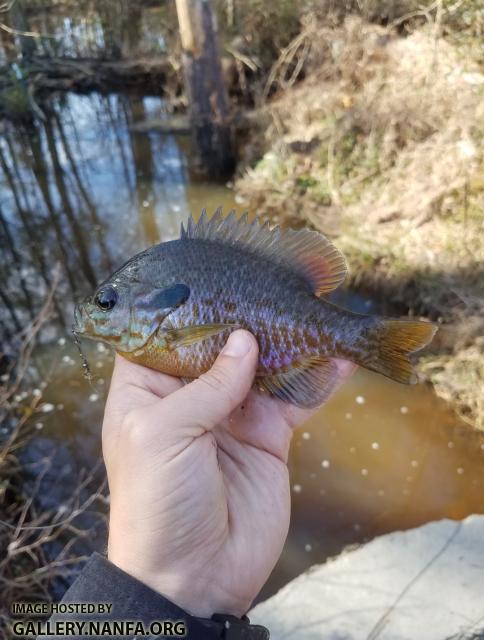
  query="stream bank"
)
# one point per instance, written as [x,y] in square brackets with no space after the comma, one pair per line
[383,155]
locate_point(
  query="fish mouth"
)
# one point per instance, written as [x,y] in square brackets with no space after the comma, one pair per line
[80,319]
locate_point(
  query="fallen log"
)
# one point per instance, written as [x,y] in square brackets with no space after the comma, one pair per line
[153,74]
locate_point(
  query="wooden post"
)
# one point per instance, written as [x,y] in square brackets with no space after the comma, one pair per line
[211,125]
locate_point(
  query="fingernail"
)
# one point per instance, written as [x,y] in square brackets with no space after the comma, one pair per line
[238,345]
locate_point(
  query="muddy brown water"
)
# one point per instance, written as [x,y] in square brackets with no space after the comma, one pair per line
[83,190]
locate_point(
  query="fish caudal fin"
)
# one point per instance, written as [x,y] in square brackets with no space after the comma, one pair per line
[391,344]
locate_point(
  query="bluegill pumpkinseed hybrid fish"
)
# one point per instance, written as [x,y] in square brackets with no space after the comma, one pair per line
[172,307]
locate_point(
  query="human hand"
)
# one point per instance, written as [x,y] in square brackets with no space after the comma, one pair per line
[200,498]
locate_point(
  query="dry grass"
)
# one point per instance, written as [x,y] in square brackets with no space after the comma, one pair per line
[380,147]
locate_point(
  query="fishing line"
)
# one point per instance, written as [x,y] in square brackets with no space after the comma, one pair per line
[86,369]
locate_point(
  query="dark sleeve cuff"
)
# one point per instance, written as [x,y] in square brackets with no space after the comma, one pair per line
[103,582]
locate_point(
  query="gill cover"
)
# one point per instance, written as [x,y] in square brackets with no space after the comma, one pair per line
[150,308]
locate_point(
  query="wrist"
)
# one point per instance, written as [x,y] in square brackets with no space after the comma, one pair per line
[199,596]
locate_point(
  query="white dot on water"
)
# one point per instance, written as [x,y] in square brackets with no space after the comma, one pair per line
[39,425]
[450,444]
[364,472]
[348,416]
[360,400]
[325,464]
[404,409]
[352,449]
[146,203]
[100,347]
[414,463]
[306,435]
[308,547]
[375,446]
[47,407]
[36,393]
[93,397]
[460,470]
[65,358]
[297,488]
[61,342]
[99,365]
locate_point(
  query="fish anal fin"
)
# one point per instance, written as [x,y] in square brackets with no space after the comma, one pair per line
[186,336]
[307,384]
[307,253]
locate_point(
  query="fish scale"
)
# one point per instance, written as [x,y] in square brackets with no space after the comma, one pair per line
[173,306]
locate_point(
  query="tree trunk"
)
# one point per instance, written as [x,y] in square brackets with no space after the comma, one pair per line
[20,23]
[211,126]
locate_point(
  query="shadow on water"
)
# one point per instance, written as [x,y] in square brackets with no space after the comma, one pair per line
[85,190]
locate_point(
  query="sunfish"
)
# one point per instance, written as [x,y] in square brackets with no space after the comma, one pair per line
[173,306]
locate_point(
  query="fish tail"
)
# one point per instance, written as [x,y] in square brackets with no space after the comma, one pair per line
[390,345]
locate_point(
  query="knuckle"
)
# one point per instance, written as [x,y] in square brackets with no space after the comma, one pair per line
[133,430]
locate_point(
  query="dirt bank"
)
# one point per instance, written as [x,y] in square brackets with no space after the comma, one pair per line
[379,147]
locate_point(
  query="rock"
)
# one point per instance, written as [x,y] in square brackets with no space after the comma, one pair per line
[425,584]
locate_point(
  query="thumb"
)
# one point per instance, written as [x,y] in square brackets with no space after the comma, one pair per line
[205,402]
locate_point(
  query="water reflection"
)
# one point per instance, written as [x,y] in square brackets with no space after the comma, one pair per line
[86,190]
[113,30]
[83,189]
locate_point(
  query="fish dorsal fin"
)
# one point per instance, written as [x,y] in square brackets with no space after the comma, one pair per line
[308,253]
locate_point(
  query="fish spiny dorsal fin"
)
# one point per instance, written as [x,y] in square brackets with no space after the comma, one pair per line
[308,253]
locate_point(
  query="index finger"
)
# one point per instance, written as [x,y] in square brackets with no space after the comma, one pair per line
[133,386]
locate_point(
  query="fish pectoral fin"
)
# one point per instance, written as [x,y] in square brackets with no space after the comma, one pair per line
[307,384]
[186,336]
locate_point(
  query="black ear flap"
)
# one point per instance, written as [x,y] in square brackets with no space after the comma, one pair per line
[161,302]
[151,308]
[171,297]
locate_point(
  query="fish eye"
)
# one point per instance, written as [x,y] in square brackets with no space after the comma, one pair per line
[106,298]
